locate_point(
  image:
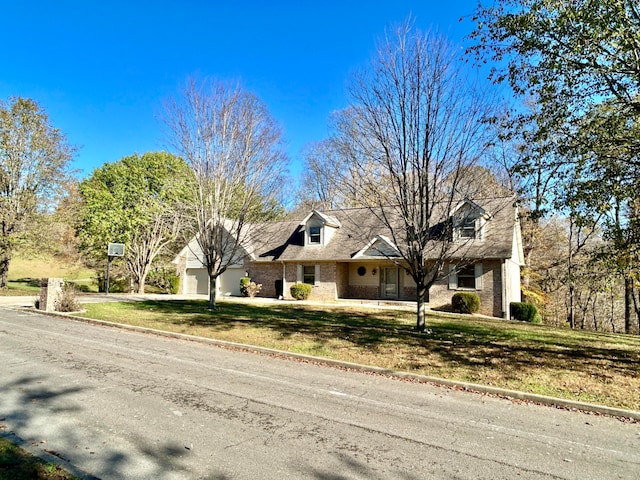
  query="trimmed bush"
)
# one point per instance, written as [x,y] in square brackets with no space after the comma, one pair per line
[524,312]
[300,291]
[465,302]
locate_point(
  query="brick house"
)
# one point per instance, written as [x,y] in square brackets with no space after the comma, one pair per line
[348,254]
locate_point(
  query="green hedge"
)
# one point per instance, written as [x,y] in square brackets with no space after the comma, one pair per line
[465,302]
[300,291]
[524,312]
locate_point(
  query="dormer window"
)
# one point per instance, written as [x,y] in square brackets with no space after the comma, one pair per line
[469,221]
[467,229]
[318,228]
[314,235]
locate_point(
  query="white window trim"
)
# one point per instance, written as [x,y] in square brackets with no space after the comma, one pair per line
[453,278]
[300,274]
[307,236]
[479,222]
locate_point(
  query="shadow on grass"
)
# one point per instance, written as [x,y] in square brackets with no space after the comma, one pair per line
[365,329]
[470,342]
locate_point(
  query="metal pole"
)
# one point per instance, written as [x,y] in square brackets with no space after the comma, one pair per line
[108,267]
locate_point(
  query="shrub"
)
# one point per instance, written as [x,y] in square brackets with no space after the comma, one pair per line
[524,312]
[68,301]
[116,285]
[249,288]
[244,282]
[465,302]
[174,286]
[300,291]
[81,287]
[165,279]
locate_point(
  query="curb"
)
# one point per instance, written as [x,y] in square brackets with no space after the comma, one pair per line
[466,386]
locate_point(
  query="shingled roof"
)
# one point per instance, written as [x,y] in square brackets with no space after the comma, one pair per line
[357,228]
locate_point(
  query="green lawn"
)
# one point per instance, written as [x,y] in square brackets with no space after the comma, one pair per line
[16,464]
[25,275]
[579,365]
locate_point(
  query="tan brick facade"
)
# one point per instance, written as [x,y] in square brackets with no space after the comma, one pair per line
[490,294]
[267,274]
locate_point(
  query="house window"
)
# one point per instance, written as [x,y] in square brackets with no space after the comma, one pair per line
[314,235]
[467,229]
[309,274]
[466,276]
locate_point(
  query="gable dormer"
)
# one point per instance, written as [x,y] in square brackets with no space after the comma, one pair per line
[379,246]
[469,221]
[318,228]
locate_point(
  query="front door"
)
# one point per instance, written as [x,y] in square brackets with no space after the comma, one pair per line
[390,282]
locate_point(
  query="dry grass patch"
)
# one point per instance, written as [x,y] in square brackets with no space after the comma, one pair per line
[587,366]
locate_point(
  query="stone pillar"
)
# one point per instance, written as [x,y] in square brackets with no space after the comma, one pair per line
[50,293]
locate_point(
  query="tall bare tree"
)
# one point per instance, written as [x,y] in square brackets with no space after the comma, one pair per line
[414,130]
[320,178]
[34,163]
[236,150]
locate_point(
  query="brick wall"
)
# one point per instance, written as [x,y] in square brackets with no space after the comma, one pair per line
[325,288]
[266,274]
[490,295]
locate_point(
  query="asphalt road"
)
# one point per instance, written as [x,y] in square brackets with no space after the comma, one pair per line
[120,404]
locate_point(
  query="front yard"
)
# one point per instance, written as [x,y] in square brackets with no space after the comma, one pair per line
[578,365]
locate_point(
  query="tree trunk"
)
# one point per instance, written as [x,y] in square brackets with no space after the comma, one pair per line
[421,303]
[212,292]
[5,258]
[628,302]
[571,313]
[141,283]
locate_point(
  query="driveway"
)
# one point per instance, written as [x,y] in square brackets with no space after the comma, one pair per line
[121,404]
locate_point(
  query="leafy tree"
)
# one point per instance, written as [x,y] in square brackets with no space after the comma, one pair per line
[34,164]
[136,201]
[235,149]
[411,137]
[568,55]
[580,62]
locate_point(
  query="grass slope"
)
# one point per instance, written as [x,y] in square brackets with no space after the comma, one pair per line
[25,274]
[579,365]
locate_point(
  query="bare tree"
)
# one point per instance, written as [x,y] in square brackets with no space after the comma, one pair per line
[320,178]
[149,241]
[235,148]
[415,128]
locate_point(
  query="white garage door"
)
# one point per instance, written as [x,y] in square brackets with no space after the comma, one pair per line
[197,281]
[229,281]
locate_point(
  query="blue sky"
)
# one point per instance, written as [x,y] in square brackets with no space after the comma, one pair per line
[102,69]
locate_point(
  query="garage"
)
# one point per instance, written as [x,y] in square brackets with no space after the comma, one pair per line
[197,281]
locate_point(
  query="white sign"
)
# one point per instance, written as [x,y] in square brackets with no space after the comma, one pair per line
[115,250]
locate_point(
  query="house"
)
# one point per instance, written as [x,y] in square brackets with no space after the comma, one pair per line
[348,254]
